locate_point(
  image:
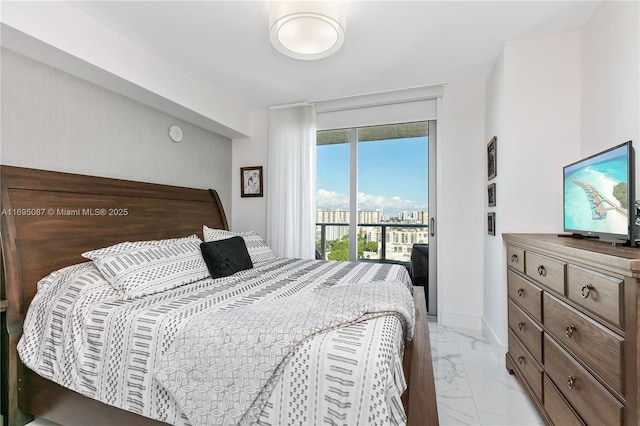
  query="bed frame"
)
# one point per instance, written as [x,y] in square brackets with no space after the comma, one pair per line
[49,218]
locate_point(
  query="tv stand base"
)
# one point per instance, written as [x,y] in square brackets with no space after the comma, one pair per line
[579,236]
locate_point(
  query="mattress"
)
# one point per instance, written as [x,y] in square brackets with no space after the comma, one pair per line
[80,334]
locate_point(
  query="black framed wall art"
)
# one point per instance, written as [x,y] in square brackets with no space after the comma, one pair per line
[251,181]
[492,158]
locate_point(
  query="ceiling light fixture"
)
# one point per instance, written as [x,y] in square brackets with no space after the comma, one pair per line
[307,29]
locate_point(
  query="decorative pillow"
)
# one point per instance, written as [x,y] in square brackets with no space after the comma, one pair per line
[127,246]
[226,257]
[256,246]
[83,273]
[153,269]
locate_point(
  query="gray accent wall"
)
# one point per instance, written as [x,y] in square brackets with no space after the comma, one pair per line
[55,121]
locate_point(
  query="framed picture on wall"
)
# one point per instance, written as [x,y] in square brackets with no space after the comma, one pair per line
[492,158]
[491,194]
[251,181]
[491,223]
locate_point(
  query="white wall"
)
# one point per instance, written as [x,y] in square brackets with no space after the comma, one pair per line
[494,290]
[611,79]
[542,129]
[250,213]
[534,110]
[551,101]
[52,120]
[48,32]
[461,189]
[461,197]
[535,104]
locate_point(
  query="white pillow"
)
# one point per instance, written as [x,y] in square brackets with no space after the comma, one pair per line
[258,249]
[127,246]
[153,269]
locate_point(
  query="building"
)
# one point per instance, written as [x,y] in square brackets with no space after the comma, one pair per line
[399,241]
[369,216]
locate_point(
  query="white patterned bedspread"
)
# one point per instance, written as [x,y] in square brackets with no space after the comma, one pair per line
[80,335]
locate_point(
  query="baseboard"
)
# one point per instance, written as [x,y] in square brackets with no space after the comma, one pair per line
[451,319]
[499,348]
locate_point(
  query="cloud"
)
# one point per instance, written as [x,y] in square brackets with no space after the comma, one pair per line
[331,200]
[391,205]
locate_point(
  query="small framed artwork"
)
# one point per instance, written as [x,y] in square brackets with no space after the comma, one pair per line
[491,194]
[491,223]
[492,158]
[251,181]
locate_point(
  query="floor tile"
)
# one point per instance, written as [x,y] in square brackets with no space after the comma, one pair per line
[473,386]
[488,418]
[450,413]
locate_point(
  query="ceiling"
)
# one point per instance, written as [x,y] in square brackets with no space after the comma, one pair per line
[389,45]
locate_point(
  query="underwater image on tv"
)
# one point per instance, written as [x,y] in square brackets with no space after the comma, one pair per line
[596,193]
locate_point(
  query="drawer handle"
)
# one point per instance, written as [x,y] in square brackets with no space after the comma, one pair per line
[542,271]
[521,359]
[520,326]
[514,258]
[586,289]
[521,292]
[570,329]
[571,382]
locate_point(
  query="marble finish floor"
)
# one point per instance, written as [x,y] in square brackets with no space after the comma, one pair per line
[473,386]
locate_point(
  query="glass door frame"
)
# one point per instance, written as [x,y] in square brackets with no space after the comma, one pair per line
[431,292]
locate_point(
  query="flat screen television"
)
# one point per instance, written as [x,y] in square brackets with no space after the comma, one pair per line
[599,195]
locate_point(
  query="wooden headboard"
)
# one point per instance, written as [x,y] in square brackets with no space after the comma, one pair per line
[50,218]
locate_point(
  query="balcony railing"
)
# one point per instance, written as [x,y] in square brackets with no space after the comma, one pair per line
[404,234]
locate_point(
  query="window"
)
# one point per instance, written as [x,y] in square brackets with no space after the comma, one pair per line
[332,193]
[372,183]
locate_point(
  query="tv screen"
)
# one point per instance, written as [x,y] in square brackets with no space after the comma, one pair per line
[598,195]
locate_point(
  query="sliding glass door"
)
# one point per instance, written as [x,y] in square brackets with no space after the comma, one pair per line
[333,210]
[392,180]
[376,178]
[375,186]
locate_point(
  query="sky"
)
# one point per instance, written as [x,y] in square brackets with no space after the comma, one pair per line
[392,175]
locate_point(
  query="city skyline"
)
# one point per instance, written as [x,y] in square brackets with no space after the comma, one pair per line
[371,216]
[373,231]
[392,175]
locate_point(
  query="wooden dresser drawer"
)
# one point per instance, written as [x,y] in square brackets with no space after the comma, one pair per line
[599,293]
[515,258]
[595,345]
[584,295]
[527,294]
[545,270]
[529,367]
[589,398]
[526,329]
[557,407]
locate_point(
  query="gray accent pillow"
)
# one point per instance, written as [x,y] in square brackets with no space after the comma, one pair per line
[153,269]
[127,246]
[256,246]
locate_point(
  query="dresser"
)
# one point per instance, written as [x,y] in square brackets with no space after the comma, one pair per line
[573,327]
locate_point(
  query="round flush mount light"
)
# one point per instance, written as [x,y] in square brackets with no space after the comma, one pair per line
[307,30]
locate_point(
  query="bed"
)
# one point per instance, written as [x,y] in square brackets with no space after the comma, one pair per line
[89,212]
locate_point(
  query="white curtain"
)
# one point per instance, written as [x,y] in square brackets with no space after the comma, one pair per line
[291,181]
